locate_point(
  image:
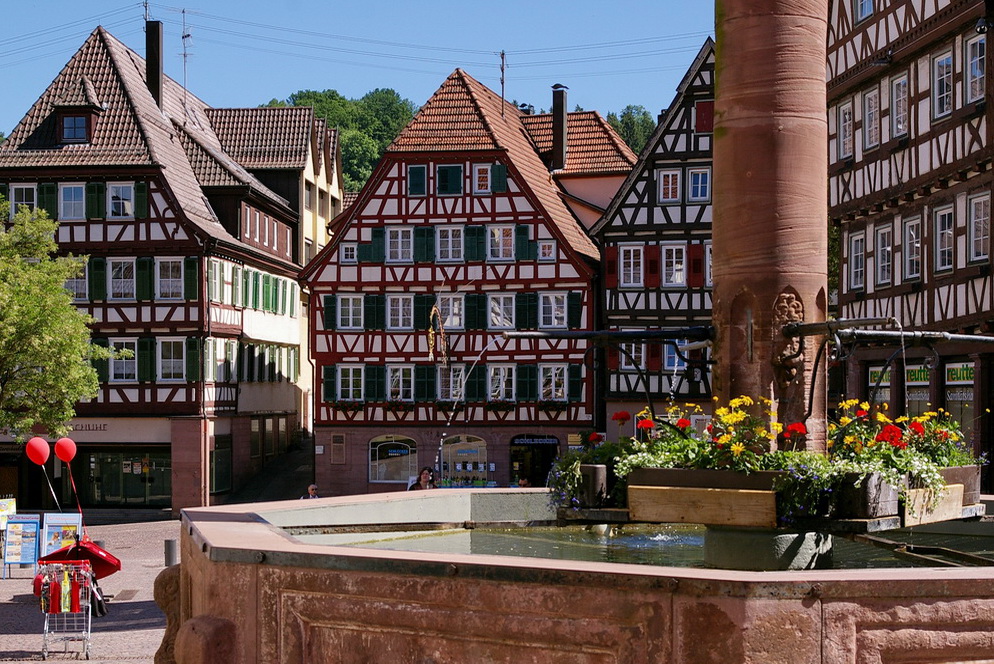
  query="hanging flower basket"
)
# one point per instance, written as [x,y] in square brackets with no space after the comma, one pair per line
[348,406]
[400,406]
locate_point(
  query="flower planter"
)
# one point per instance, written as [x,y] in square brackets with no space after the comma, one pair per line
[969,477]
[593,484]
[870,498]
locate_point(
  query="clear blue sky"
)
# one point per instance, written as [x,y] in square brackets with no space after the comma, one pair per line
[609,53]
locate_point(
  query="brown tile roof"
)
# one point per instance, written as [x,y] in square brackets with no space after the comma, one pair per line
[131,131]
[81,93]
[593,147]
[348,199]
[465,115]
[265,138]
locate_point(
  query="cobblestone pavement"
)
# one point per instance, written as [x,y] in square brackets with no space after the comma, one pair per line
[133,627]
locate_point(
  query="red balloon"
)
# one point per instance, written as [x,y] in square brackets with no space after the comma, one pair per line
[38,450]
[65,449]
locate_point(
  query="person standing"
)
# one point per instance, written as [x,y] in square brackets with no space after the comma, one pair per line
[426,480]
[312,492]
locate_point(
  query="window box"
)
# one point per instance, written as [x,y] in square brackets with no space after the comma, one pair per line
[348,405]
[553,406]
[500,405]
[399,406]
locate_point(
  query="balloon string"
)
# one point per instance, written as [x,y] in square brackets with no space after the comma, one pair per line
[86,536]
[51,488]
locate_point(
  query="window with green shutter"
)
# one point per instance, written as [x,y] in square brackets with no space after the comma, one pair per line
[424,382]
[328,375]
[329,312]
[527,382]
[498,178]
[191,280]
[48,199]
[477,314]
[416,180]
[424,244]
[476,243]
[525,249]
[574,391]
[144,278]
[374,311]
[375,388]
[423,302]
[449,180]
[192,359]
[102,366]
[526,311]
[574,309]
[96,200]
[476,383]
[146,359]
[141,200]
[377,246]
[96,272]
[256,290]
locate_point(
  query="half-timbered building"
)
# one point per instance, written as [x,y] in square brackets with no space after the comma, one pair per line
[910,188]
[191,275]
[656,242]
[461,234]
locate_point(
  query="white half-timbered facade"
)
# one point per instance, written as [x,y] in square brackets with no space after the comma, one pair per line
[656,243]
[459,236]
[910,188]
[191,276]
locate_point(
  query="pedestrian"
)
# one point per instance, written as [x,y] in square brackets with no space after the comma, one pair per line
[312,492]
[426,480]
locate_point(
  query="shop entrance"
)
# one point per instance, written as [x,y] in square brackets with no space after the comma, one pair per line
[464,462]
[128,479]
[532,458]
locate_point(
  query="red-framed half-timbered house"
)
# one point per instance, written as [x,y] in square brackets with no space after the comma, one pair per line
[461,234]
[910,156]
[656,243]
[191,270]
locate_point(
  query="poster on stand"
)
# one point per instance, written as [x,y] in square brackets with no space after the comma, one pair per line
[20,540]
[8,508]
[59,531]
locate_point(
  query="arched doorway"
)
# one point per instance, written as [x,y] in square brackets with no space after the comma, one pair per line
[531,460]
[464,461]
[393,460]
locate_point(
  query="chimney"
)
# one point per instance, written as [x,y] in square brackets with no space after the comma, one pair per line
[558,126]
[153,60]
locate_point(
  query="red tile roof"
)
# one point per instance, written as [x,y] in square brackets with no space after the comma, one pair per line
[265,138]
[593,147]
[465,115]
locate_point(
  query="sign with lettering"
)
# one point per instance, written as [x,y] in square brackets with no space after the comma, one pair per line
[959,373]
[916,374]
[60,531]
[875,375]
[21,540]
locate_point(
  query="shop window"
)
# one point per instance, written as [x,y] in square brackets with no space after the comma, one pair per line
[221,464]
[392,459]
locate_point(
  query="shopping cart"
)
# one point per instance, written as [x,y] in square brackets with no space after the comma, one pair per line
[64,589]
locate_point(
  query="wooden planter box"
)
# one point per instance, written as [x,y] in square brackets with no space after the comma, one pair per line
[969,477]
[709,497]
[870,498]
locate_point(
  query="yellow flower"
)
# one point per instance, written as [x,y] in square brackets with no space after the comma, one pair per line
[845,420]
[740,401]
[776,427]
[736,417]
[738,448]
[903,418]
[725,438]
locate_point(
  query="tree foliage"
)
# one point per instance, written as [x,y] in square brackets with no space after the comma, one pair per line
[45,348]
[635,125]
[378,116]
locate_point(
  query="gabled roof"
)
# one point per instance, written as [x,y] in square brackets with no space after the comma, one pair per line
[265,138]
[706,52]
[80,94]
[132,130]
[593,147]
[465,115]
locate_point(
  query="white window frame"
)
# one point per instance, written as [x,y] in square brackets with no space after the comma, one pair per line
[552,382]
[503,305]
[911,248]
[78,286]
[400,244]
[15,189]
[174,293]
[674,265]
[671,358]
[980,226]
[699,185]
[552,311]
[424,178]
[631,266]
[942,84]
[451,382]
[862,10]
[349,317]
[71,134]
[123,370]
[631,356]
[883,251]
[547,250]
[899,105]
[127,204]
[857,261]
[871,118]
[162,363]
[500,382]
[668,181]
[975,68]
[351,382]
[449,240]
[453,310]
[122,280]
[483,186]
[846,127]
[400,312]
[350,253]
[400,382]
[72,209]
[708,279]
[379,467]
[944,238]
[500,243]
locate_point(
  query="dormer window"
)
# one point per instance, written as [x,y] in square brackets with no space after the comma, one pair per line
[74,129]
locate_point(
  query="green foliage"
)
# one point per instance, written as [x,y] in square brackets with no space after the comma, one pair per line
[635,125]
[45,348]
[367,125]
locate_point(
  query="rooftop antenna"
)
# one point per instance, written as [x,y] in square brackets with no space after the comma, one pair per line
[186,37]
[146,10]
[502,66]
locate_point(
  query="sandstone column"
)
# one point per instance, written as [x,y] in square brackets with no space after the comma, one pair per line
[770,202]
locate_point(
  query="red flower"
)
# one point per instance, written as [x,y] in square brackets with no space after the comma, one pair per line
[621,416]
[797,428]
[891,434]
[861,413]
[595,437]
[917,428]
[683,423]
[645,424]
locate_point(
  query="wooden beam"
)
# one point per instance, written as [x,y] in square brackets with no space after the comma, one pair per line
[713,507]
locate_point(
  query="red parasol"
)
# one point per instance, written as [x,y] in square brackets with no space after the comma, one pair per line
[102,562]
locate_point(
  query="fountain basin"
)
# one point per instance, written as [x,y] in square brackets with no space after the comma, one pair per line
[294,602]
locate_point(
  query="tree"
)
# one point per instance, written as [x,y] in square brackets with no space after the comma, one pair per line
[635,126]
[361,153]
[45,349]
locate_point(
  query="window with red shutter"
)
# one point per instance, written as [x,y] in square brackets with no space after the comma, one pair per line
[611,267]
[695,259]
[652,266]
[704,117]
